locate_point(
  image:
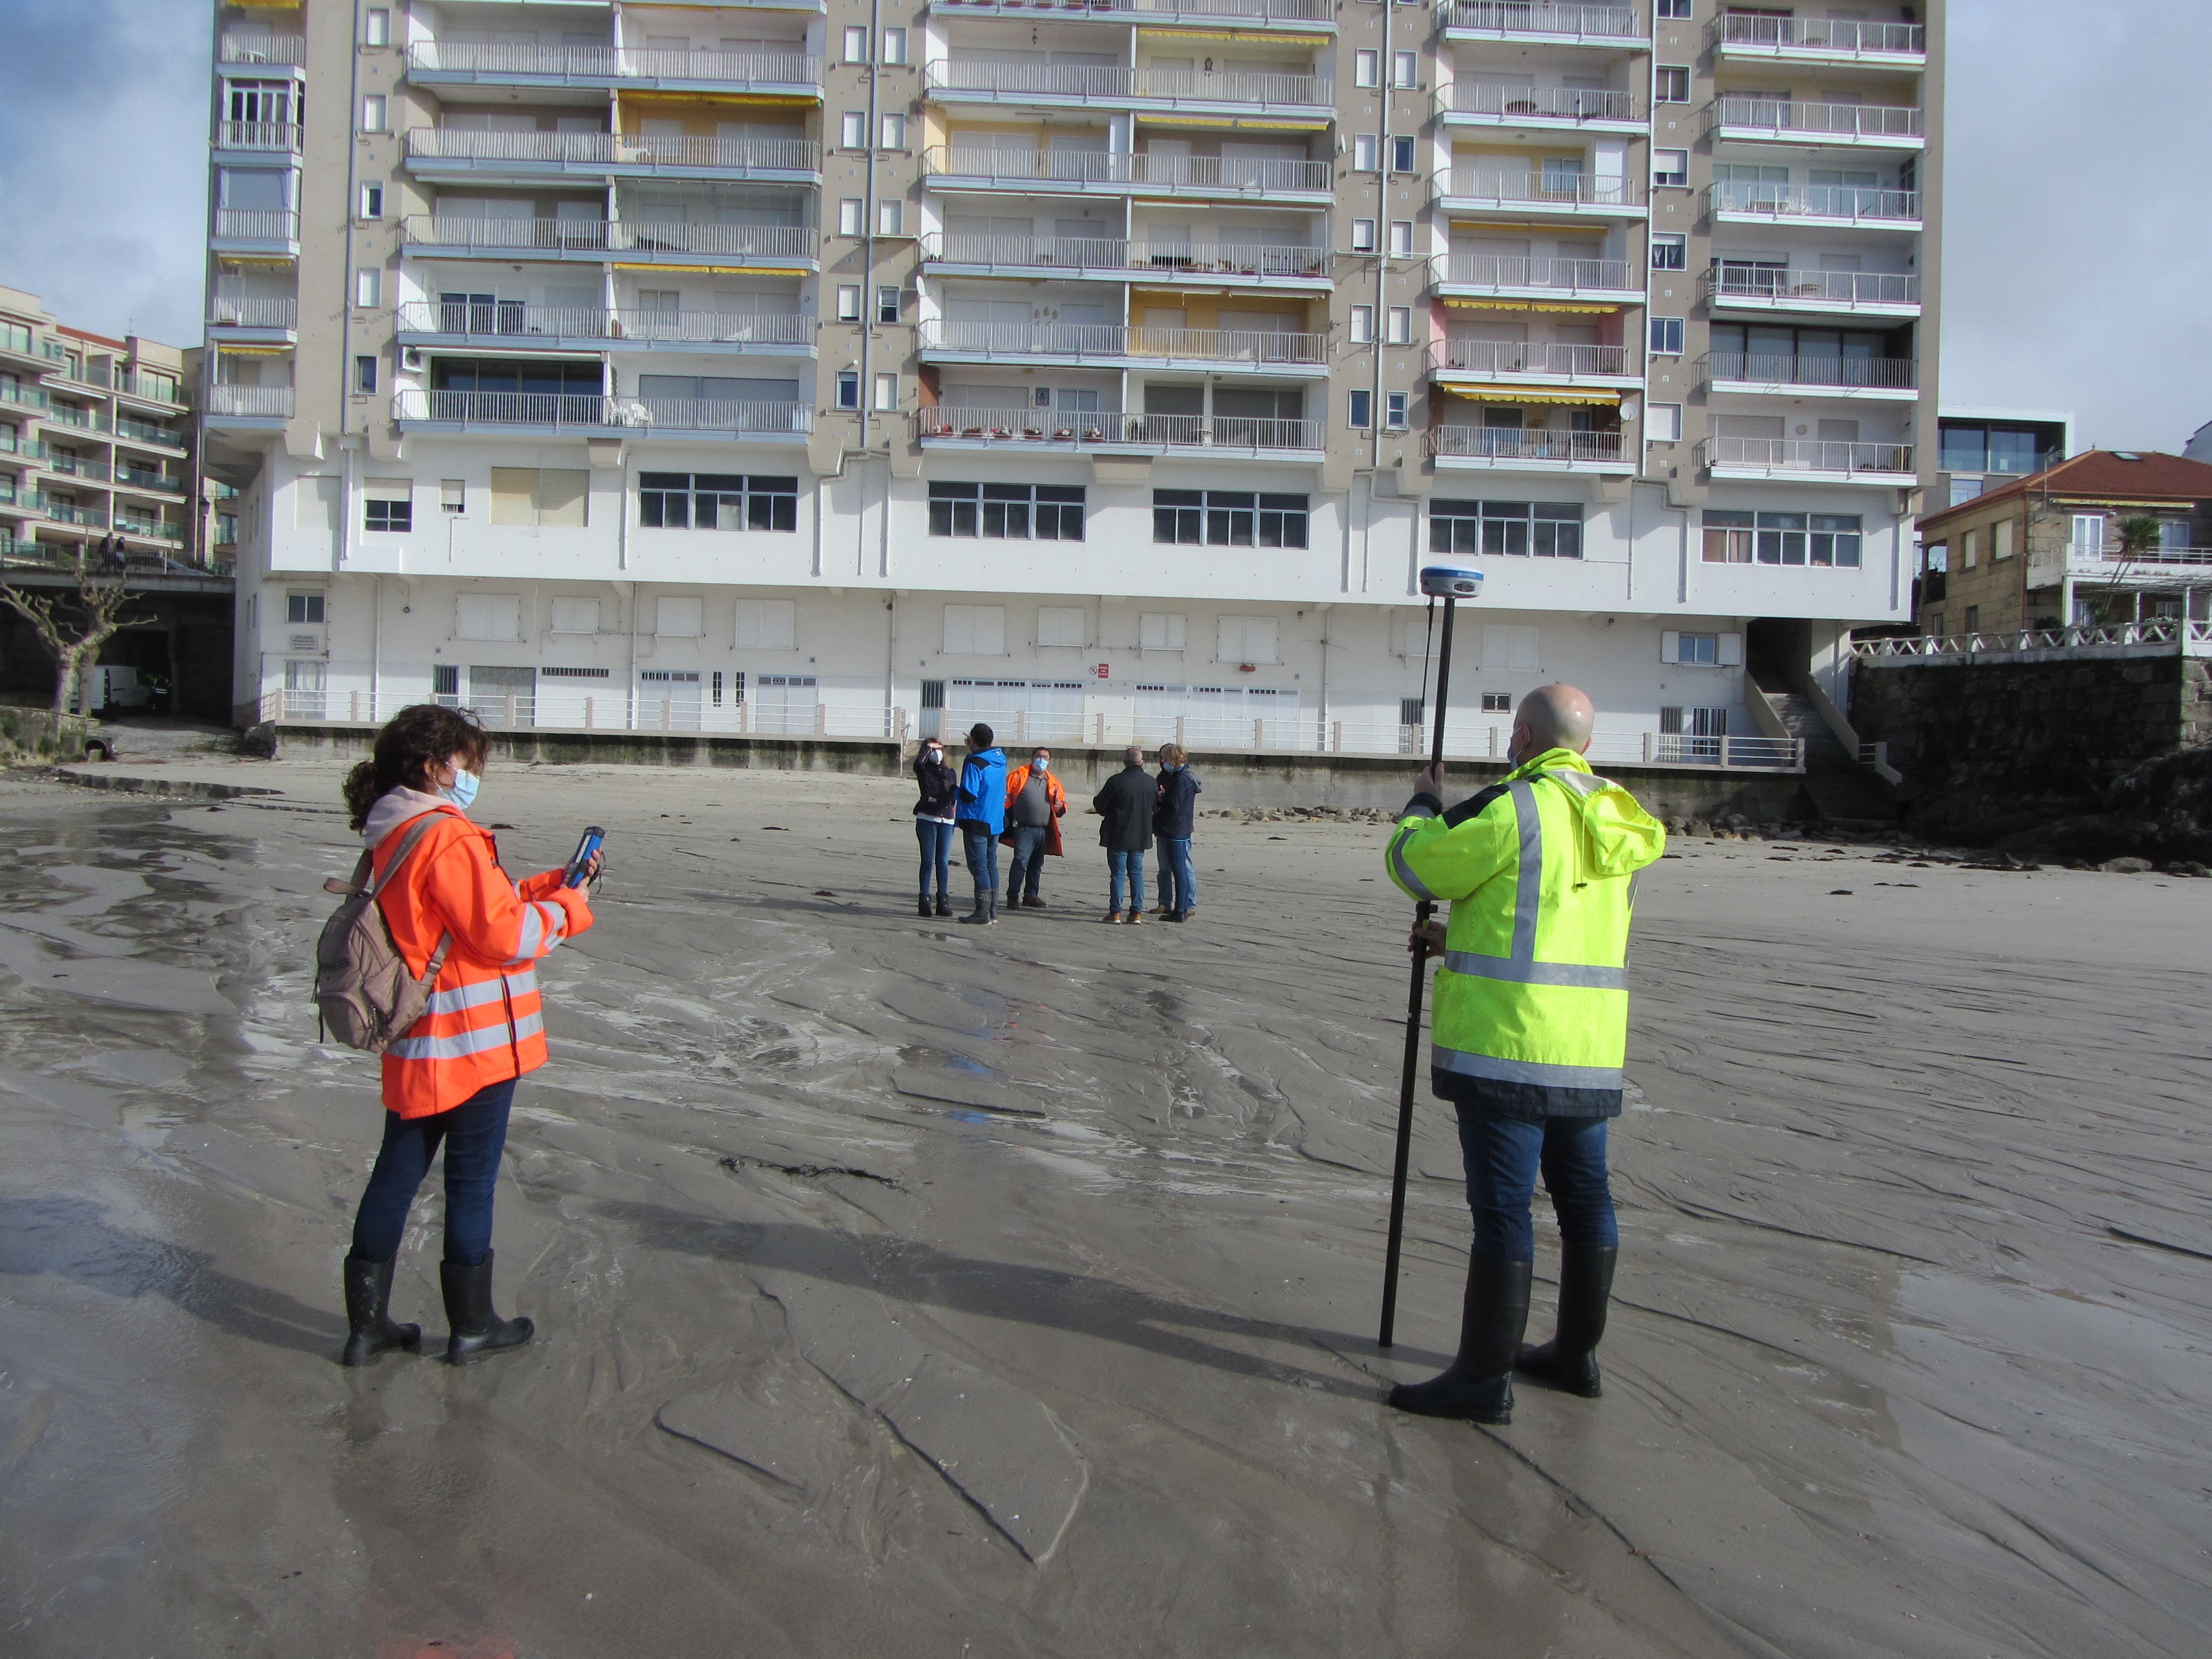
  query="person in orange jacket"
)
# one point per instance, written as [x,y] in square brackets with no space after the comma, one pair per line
[449,1080]
[1035,803]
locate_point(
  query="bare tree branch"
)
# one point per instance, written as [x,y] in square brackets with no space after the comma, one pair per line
[74,639]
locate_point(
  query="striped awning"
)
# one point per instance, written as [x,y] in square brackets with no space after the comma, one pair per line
[1573,307]
[1596,395]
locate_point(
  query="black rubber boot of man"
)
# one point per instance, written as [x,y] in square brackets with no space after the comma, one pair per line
[476,1330]
[370,1329]
[1568,1360]
[1477,1386]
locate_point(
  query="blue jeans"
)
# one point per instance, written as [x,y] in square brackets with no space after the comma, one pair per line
[1503,1155]
[982,857]
[936,841]
[1176,877]
[474,1134]
[1132,864]
[1028,863]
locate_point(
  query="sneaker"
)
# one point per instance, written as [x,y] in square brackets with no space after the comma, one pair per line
[1135,917]
[1111,916]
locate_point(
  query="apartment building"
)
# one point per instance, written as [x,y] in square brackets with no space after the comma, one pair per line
[1093,367]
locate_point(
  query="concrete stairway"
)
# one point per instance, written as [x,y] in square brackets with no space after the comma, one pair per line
[1844,791]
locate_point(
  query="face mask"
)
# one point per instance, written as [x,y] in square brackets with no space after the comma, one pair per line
[934,756]
[1043,762]
[462,789]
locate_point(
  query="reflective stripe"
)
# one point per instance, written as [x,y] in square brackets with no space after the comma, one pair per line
[462,1044]
[1582,783]
[1414,883]
[1529,896]
[1462,1064]
[534,933]
[465,997]
[1536,973]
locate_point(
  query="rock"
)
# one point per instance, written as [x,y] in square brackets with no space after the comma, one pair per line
[2186,867]
[259,741]
[2125,867]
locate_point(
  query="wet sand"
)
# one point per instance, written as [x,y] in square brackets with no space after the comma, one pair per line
[915,1289]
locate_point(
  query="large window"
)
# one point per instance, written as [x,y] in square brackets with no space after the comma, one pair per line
[1228,518]
[1021,513]
[1833,540]
[1544,530]
[718,500]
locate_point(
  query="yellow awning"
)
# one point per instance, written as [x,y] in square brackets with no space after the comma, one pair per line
[1571,308]
[255,262]
[254,351]
[719,270]
[1247,37]
[1532,395]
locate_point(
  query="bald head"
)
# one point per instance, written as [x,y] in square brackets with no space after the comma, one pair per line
[1552,717]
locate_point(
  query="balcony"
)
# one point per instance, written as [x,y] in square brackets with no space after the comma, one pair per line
[596,240]
[85,518]
[1820,40]
[258,136]
[1123,346]
[461,152]
[1516,275]
[256,230]
[1508,449]
[1118,429]
[954,81]
[16,395]
[1526,190]
[1550,361]
[255,46]
[78,420]
[1124,173]
[254,313]
[76,466]
[1748,287]
[511,324]
[1810,460]
[1494,104]
[152,483]
[631,416]
[1820,205]
[1549,22]
[1897,377]
[1773,120]
[146,433]
[249,403]
[1111,258]
[1245,13]
[439,63]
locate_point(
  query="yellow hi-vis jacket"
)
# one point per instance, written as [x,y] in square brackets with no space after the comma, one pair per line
[1532,999]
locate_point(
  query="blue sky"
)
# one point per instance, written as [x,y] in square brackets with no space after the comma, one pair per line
[2075,252]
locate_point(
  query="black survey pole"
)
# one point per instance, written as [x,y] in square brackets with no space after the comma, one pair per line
[1451,586]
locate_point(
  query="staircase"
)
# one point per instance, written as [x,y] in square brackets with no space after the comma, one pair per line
[1844,791]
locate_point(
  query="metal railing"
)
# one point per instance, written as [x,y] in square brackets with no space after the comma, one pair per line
[1540,357]
[609,236]
[254,311]
[1856,202]
[76,466]
[1255,11]
[2081,558]
[252,47]
[1120,81]
[257,225]
[1585,22]
[1528,188]
[260,400]
[1540,103]
[134,561]
[145,432]
[1108,427]
[1099,166]
[1824,34]
[1779,117]
[512,319]
[613,709]
[160,482]
[1824,288]
[87,517]
[1515,444]
[2110,636]
[1850,374]
[257,135]
[1116,340]
[1111,253]
[1519,271]
[1782,456]
[23,396]
[82,420]
[591,409]
[612,63]
[616,149]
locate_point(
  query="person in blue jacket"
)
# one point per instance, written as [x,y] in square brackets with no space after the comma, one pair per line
[981,815]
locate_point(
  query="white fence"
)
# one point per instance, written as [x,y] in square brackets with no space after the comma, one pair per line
[2192,639]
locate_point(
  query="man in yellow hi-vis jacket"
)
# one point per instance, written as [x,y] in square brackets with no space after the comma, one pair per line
[1530,1032]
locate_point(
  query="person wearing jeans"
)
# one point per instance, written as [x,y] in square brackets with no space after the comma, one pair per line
[932,821]
[1036,802]
[1125,809]
[1125,863]
[1174,816]
[473,1135]
[981,814]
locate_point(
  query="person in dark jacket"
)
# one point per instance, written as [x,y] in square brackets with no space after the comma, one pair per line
[932,821]
[1125,806]
[1173,815]
[982,815]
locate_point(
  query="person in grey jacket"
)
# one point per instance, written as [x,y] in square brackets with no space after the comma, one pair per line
[1125,807]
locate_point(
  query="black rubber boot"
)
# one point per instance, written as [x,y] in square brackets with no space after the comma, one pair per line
[476,1330]
[1477,1386]
[1568,1360]
[991,901]
[370,1329]
[944,905]
[925,906]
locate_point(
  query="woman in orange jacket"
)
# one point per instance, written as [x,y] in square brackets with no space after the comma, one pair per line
[449,1081]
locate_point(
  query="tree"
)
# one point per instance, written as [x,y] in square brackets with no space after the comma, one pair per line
[73,622]
[2136,537]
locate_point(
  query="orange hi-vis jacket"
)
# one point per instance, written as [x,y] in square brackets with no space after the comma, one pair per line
[1055,796]
[484,1023]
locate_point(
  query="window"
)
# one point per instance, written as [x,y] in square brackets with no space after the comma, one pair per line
[1246,639]
[887,393]
[488,615]
[894,47]
[572,616]
[887,304]
[1402,238]
[1228,518]
[452,494]
[304,609]
[1402,325]
[767,625]
[1662,423]
[1160,630]
[848,388]
[1669,252]
[1366,153]
[1970,549]
[1670,84]
[1695,650]
[679,619]
[1366,67]
[364,374]
[377,27]
[853,128]
[1405,68]
[891,218]
[974,630]
[1362,324]
[1733,537]
[1497,703]
[1729,535]
[2001,539]
[1020,512]
[1674,9]
[1670,166]
[1837,539]
[1062,625]
[1935,624]
[389,506]
[849,219]
[1394,411]
[1363,236]
[371,201]
[718,500]
[2088,540]
[1509,646]
[1973,619]
[1401,155]
[368,287]
[1667,336]
[372,113]
[893,136]
[848,302]
[1545,530]
[856,45]
[1361,412]
[545,497]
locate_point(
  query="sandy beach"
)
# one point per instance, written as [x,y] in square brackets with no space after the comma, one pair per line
[910,1288]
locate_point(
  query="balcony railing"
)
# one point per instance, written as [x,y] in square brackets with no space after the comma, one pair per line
[257,225]
[1849,373]
[82,420]
[1526,188]
[1111,253]
[257,135]
[600,235]
[1121,82]
[1563,276]
[1778,118]
[1257,11]
[1825,34]
[252,47]
[1540,357]
[1100,167]
[512,319]
[145,432]
[1784,456]
[76,466]
[593,410]
[1856,202]
[737,69]
[254,311]
[1115,427]
[23,396]
[2193,637]
[258,400]
[1587,23]
[1515,444]
[1541,103]
[612,150]
[160,482]
[89,518]
[1113,340]
[1819,287]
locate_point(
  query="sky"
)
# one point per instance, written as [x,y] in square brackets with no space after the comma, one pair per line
[2075,248]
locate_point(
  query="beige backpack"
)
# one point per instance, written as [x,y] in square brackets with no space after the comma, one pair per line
[367,998]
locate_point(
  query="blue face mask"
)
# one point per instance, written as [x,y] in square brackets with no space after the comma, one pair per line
[462,791]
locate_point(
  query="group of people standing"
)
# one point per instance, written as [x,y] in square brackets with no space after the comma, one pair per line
[987,806]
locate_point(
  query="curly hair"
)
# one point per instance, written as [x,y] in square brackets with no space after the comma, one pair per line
[417,738]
